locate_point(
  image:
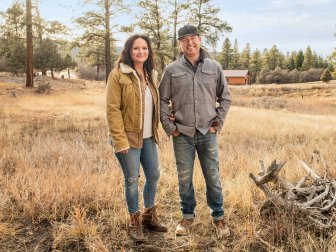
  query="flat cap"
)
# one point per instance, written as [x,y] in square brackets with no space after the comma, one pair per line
[187,30]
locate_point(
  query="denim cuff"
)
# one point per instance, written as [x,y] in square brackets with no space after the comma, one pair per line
[216,218]
[189,216]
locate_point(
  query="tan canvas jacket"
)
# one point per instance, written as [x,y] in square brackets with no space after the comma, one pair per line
[125,108]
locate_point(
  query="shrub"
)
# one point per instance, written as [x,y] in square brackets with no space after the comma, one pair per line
[90,73]
[43,87]
[326,76]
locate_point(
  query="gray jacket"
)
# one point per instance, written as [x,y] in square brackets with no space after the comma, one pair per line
[199,97]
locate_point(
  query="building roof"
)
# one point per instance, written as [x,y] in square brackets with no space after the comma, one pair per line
[235,73]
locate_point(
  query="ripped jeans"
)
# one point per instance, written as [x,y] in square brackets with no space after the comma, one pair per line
[207,151]
[130,164]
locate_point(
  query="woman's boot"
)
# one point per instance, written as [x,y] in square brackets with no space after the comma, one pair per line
[135,227]
[150,220]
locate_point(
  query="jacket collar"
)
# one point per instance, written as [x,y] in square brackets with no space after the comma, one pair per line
[127,70]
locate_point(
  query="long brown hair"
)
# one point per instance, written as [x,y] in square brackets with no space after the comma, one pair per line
[125,56]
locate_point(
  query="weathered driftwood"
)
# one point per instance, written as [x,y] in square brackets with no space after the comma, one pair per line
[314,196]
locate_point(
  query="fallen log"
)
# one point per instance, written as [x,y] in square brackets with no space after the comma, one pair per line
[314,196]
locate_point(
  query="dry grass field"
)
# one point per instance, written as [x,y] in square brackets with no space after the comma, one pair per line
[61,188]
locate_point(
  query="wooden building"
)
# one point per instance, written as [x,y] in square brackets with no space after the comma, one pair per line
[237,77]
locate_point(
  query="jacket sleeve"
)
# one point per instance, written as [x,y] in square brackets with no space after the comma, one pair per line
[113,113]
[165,90]
[223,100]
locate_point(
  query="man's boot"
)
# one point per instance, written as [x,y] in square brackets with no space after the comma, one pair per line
[150,220]
[135,227]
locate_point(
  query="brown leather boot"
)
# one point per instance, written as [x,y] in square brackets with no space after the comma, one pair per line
[150,220]
[135,227]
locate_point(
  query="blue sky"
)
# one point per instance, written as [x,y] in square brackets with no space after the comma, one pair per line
[289,24]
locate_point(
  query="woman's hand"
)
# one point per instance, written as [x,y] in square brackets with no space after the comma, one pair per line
[212,130]
[172,118]
[176,133]
[123,152]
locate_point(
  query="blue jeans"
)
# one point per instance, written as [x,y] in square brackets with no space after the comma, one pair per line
[207,151]
[130,164]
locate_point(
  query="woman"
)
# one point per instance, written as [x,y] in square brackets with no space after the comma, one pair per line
[132,107]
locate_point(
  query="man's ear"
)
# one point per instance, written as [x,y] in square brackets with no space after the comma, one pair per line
[179,44]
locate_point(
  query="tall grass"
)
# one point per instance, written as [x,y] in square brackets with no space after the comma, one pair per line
[61,187]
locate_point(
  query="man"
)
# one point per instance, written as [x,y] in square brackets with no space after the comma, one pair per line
[194,87]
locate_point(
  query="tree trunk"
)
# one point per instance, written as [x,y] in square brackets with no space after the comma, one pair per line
[29,70]
[52,72]
[174,37]
[69,72]
[158,45]
[107,40]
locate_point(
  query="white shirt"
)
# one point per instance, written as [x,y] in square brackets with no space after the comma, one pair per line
[148,116]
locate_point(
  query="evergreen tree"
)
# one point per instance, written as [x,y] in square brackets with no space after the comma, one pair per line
[47,56]
[332,61]
[226,54]
[255,65]
[299,60]
[205,17]
[326,76]
[68,63]
[308,59]
[15,56]
[235,64]
[12,38]
[245,57]
[315,60]
[96,25]
[151,20]
[176,18]
[274,58]
[290,61]
[265,59]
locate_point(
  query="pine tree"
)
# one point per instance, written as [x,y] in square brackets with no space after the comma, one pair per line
[68,63]
[12,38]
[255,65]
[299,60]
[96,25]
[289,61]
[176,18]
[245,57]
[235,56]
[326,76]
[205,17]
[152,22]
[226,54]
[47,56]
[274,58]
[265,59]
[308,59]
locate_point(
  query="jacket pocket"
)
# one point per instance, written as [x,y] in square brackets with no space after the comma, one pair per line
[127,102]
[209,77]
[179,79]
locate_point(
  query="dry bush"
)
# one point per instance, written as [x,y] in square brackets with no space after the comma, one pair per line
[61,187]
[43,87]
